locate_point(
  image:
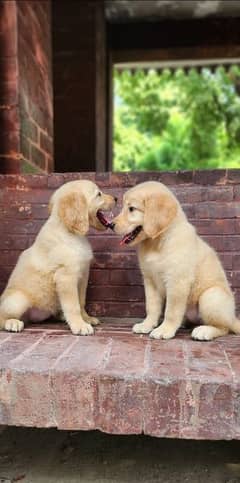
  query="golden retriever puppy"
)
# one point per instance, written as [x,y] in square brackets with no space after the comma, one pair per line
[52,275]
[179,269]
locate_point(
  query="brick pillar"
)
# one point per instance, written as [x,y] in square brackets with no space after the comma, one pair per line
[79,70]
[26,114]
[9,109]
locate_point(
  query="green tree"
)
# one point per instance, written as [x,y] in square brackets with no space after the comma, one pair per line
[177,121]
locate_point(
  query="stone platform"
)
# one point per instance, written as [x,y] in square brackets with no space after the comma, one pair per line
[121,383]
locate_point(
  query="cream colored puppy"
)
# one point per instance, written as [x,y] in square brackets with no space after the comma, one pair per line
[52,275]
[178,267]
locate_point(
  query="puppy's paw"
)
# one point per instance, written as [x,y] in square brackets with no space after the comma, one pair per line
[82,329]
[142,328]
[91,320]
[203,332]
[14,325]
[163,332]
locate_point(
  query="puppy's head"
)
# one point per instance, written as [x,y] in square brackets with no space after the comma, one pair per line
[79,205]
[148,210]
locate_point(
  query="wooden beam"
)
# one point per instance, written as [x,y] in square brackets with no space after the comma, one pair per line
[176,53]
[101,89]
[174,34]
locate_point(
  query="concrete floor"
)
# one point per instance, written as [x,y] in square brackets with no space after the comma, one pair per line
[51,456]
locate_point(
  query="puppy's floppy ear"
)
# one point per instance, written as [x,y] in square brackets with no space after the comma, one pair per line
[160,210]
[73,211]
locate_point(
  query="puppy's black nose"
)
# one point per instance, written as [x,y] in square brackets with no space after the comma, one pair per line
[115,199]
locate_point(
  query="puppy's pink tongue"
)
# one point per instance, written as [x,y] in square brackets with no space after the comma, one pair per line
[123,240]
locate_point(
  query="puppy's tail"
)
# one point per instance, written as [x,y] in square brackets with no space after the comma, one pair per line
[236,326]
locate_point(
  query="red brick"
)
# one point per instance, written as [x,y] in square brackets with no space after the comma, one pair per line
[28,128]
[24,210]
[8,92]
[29,196]
[115,260]
[217,210]
[189,210]
[210,177]
[237,226]
[108,243]
[9,257]
[115,293]
[34,58]
[233,176]
[8,21]
[9,118]
[198,193]
[189,194]
[23,182]
[227,260]
[237,294]
[46,143]
[116,309]
[216,227]
[75,383]
[176,388]
[120,405]
[8,66]
[236,190]
[25,147]
[19,242]
[236,262]
[125,277]
[121,389]
[38,157]
[207,361]
[236,279]
[162,408]
[99,277]
[30,381]
[9,142]
[14,346]
[216,411]
[228,243]
[219,193]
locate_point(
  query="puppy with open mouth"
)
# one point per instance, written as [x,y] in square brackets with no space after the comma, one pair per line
[180,270]
[52,275]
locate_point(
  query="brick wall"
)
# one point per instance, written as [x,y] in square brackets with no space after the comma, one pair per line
[211,200]
[9,112]
[26,116]
[35,85]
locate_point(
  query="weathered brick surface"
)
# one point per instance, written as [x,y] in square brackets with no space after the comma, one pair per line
[116,287]
[120,383]
[26,117]
[9,113]
[35,84]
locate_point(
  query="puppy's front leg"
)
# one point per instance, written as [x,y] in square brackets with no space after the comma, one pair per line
[175,309]
[83,283]
[154,302]
[67,290]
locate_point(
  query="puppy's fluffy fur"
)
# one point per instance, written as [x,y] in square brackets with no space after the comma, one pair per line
[178,267]
[52,275]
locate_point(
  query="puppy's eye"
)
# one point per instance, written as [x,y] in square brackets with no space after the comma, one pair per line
[131,208]
[99,194]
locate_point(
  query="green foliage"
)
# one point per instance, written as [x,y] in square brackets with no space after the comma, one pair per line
[177,121]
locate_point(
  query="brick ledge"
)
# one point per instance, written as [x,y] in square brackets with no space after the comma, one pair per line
[120,383]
